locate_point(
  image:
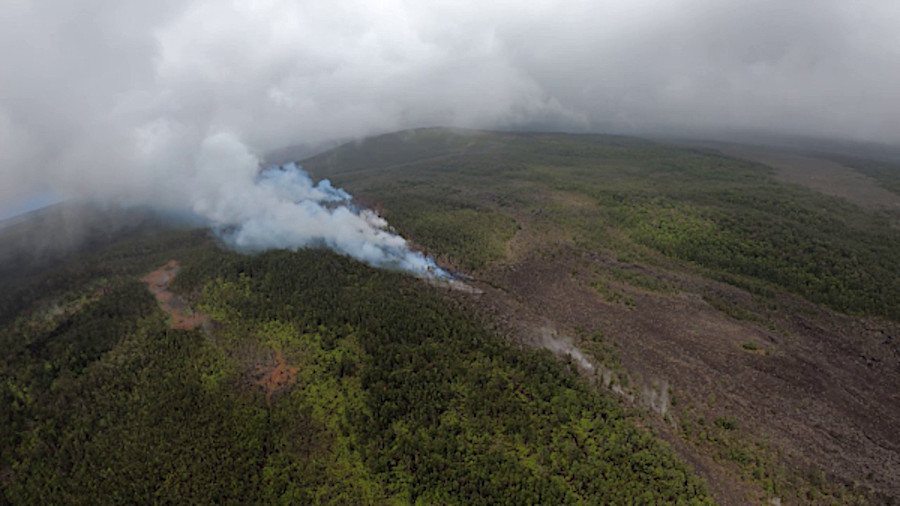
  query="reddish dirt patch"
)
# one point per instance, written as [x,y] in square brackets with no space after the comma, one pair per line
[274,375]
[175,306]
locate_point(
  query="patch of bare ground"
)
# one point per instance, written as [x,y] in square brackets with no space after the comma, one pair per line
[174,305]
[264,369]
[824,176]
[822,392]
[273,374]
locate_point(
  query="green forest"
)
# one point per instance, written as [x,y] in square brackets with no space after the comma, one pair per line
[400,395]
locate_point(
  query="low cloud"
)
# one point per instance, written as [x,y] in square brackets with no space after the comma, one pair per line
[127,102]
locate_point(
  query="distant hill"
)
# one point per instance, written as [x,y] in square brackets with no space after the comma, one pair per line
[53,233]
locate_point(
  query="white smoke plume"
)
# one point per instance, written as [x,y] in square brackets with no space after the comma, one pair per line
[173,103]
[549,338]
[281,207]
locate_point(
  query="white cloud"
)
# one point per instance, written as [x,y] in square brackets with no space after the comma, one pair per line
[118,100]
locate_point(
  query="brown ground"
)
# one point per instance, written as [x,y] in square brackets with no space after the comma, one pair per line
[823,389]
[174,305]
[266,369]
[273,375]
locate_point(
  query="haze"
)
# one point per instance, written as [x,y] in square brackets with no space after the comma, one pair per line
[116,100]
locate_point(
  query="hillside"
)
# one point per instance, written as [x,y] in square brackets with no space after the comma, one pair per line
[766,310]
[651,324]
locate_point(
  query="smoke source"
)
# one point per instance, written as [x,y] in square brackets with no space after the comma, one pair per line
[281,207]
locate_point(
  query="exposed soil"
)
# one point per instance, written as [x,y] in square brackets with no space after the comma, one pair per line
[174,305]
[822,389]
[266,369]
[274,375]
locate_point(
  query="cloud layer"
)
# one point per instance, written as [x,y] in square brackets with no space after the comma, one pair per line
[120,100]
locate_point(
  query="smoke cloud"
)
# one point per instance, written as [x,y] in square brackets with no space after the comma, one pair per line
[280,207]
[174,104]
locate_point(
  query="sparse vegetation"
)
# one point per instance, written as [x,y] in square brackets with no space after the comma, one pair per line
[763,465]
[727,216]
[653,208]
[434,220]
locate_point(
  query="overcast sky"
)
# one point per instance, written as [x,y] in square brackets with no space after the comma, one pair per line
[106,98]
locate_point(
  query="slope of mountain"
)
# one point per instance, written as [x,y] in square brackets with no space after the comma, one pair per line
[163,368]
[766,310]
[652,325]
